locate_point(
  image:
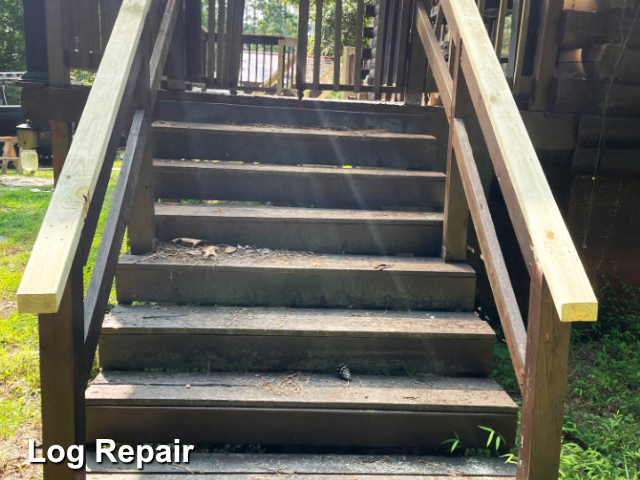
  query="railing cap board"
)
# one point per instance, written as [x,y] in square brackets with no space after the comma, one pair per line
[46,274]
[509,144]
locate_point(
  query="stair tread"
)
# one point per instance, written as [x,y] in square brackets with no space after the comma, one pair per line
[286,260]
[296,170]
[247,465]
[286,131]
[299,214]
[300,322]
[299,390]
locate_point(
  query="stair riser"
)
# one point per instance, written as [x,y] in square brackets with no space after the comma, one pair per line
[324,190]
[225,285]
[274,426]
[272,353]
[200,112]
[321,236]
[293,149]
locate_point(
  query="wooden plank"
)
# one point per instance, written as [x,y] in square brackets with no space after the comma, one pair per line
[317,46]
[532,207]
[437,64]
[405,20]
[380,28]
[274,340]
[193,38]
[520,50]
[595,5]
[499,26]
[104,269]
[615,131]
[582,96]
[162,46]
[221,35]
[58,67]
[277,476]
[301,61]
[546,53]
[43,282]
[320,187]
[358,45]
[62,380]
[337,42]
[610,161]
[175,69]
[301,229]
[512,323]
[546,370]
[356,466]
[326,281]
[295,146]
[211,41]
[417,68]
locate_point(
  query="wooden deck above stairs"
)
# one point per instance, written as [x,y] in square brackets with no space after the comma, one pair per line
[328,250]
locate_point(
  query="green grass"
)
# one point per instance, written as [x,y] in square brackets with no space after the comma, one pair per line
[21,213]
[602,416]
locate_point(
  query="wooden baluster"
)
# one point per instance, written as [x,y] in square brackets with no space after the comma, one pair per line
[220,61]
[337,50]
[379,56]
[280,74]
[456,211]
[357,76]
[502,12]
[545,383]
[211,42]
[546,53]
[303,28]
[317,47]
[403,41]
[62,379]
[142,234]
[417,68]
[175,67]
[193,38]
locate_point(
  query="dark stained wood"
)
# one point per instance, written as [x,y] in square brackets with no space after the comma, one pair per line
[299,186]
[299,281]
[317,45]
[279,340]
[60,143]
[417,68]
[220,50]
[295,146]
[162,46]
[337,42]
[211,41]
[546,53]
[58,67]
[583,96]
[62,379]
[193,39]
[304,229]
[611,161]
[545,385]
[358,45]
[104,269]
[379,29]
[142,235]
[175,68]
[619,132]
[506,302]
[308,466]
[301,61]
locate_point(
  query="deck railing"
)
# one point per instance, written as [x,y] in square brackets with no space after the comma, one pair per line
[472,86]
[123,96]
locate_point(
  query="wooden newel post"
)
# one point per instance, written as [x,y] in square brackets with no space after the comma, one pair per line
[417,68]
[62,379]
[545,383]
[142,231]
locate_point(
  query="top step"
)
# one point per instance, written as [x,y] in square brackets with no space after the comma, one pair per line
[243,110]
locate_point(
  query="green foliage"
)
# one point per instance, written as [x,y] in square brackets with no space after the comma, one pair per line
[454,442]
[84,77]
[271,17]
[12,48]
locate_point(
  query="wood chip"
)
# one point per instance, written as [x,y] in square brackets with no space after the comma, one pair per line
[382,266]
[187,242]
[211,251]
[230,249]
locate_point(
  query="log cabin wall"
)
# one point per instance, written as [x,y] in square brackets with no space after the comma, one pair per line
[597,80]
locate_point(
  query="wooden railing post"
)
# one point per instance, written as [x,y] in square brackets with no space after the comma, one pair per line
[175,68]
[62,379]
[417,68]
[303,27]
[193,39]
[142,234]
[456,210]
[545,383]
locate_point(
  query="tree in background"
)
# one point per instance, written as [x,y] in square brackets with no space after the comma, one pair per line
[12,49]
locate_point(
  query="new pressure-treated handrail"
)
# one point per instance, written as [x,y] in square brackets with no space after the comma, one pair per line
[541,231]
[46,275]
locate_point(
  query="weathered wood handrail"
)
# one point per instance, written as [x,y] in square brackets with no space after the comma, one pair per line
[538,223]
[45,277]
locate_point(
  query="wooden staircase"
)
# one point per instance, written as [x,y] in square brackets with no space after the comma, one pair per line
[328,221]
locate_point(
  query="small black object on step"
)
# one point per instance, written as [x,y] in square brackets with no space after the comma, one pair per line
[342,371]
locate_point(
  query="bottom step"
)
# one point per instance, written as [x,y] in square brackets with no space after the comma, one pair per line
[239,466]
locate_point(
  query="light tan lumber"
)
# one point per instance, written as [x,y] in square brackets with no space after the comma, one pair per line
[46,275]
[531,204]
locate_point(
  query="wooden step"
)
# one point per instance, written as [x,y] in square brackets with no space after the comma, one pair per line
[296,146]
[305,229]
[299,186]
[277,278]
[279,339]
[252,466]
[296,409]
[336,116]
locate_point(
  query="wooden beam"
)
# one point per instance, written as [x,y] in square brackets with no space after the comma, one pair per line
[337,48]
[379,58]
[505,298]
[46,274]
[546,53]
[161,48]
[545,385]
[301,62]
[357,76]
[317,46]
[535,215]
[211,40]
[193,38]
